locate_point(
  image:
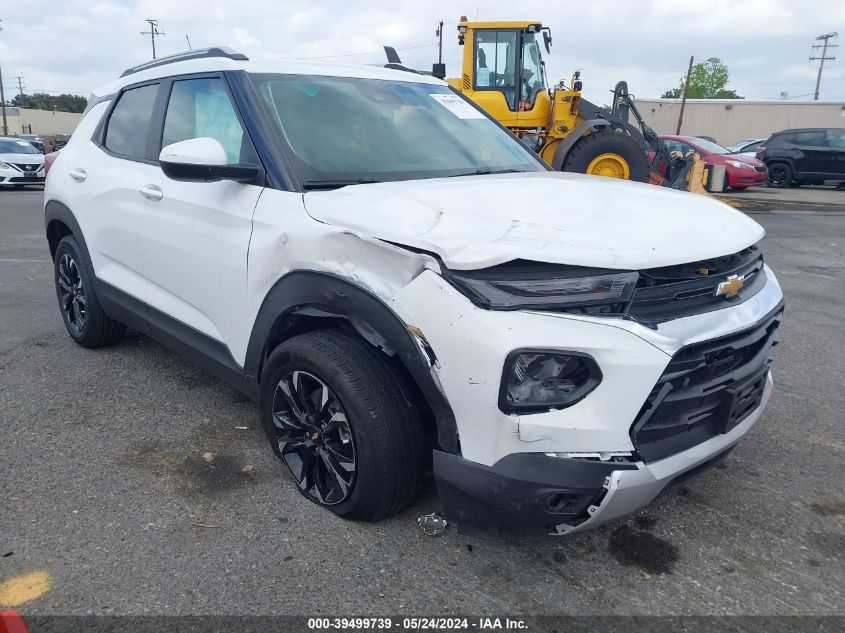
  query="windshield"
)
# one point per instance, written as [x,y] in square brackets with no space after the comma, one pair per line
[346,130]
[711,147]
[17,147]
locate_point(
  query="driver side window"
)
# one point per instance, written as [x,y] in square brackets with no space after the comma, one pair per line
[202,108]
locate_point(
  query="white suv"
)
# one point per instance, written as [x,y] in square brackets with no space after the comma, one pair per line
[401,285]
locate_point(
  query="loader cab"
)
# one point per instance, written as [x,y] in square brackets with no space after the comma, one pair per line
[504,72]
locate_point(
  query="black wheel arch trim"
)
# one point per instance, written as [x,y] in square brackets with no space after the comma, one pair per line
[780,161]
[577,133]
[329,294]
[57,211]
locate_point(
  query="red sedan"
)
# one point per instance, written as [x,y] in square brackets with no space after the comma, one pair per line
[741,171]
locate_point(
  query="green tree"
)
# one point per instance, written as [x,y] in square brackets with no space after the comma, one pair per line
[708,80]
[43,101]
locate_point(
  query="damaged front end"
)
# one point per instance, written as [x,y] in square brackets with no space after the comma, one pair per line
[521,492]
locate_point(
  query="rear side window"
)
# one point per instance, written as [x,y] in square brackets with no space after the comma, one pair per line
[836,138]
[202,108]
[128,127]
[816,139]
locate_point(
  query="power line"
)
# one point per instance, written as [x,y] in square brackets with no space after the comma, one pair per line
[63,92]
[824,57]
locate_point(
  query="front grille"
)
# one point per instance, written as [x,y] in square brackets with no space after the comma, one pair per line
[678,291]
[27,166]
[707,389]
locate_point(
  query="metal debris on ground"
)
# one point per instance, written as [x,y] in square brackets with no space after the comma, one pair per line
[432,524]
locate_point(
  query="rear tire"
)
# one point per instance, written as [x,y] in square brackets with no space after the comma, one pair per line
[780,175]
[369,429]
[606,141]
[82,315]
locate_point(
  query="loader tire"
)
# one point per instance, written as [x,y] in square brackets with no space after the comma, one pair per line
[609,153]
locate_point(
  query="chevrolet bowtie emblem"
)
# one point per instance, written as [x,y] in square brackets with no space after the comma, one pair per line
[730,286]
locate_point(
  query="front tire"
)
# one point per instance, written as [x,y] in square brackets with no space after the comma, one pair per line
[82,315]
[609,153]
[780,175]
[338,418]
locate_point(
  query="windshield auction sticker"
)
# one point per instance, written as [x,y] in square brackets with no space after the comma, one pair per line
[457,106]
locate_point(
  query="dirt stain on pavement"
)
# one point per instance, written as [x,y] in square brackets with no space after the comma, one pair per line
[195,473]
[635,547]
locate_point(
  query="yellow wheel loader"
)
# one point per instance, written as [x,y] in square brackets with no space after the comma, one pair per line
[504,74]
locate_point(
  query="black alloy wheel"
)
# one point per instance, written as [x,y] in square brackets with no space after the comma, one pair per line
[72,293]
[780,175]
[314,437]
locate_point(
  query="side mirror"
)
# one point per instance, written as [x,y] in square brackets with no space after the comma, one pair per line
[202,160]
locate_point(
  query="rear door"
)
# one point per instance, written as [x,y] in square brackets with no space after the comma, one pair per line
[196,236]
[812,145]
[836,152]
[103,182]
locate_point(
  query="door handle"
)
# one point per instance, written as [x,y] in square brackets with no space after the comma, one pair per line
[78,174]
[151,192]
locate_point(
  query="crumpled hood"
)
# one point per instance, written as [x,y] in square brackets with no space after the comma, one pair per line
[480,221]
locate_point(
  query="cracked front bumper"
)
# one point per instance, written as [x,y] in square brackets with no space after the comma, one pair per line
[526,491]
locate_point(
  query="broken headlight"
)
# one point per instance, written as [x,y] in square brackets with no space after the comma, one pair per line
[570,289]
[538,380]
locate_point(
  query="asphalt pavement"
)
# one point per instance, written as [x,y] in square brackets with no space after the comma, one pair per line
[133,483]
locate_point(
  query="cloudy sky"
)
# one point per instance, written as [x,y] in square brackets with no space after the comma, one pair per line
[76,45]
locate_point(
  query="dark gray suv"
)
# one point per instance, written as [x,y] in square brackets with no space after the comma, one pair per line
[804,156]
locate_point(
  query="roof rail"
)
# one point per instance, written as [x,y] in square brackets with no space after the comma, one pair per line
[200,53]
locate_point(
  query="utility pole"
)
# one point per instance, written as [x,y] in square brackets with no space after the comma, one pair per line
[152,33]
[823,58]
[439,69]
[684,96]
[3,100]
[20,85]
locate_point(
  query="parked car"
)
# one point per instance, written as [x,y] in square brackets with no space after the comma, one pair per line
[36,140]
[804,156]
[21,163]
[741,172]
[747,146]
[401,285]
[58,143]
[49,159]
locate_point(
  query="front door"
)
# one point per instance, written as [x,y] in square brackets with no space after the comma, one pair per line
[196,235]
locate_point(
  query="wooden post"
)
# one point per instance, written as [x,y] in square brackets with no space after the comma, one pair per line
[684,96]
